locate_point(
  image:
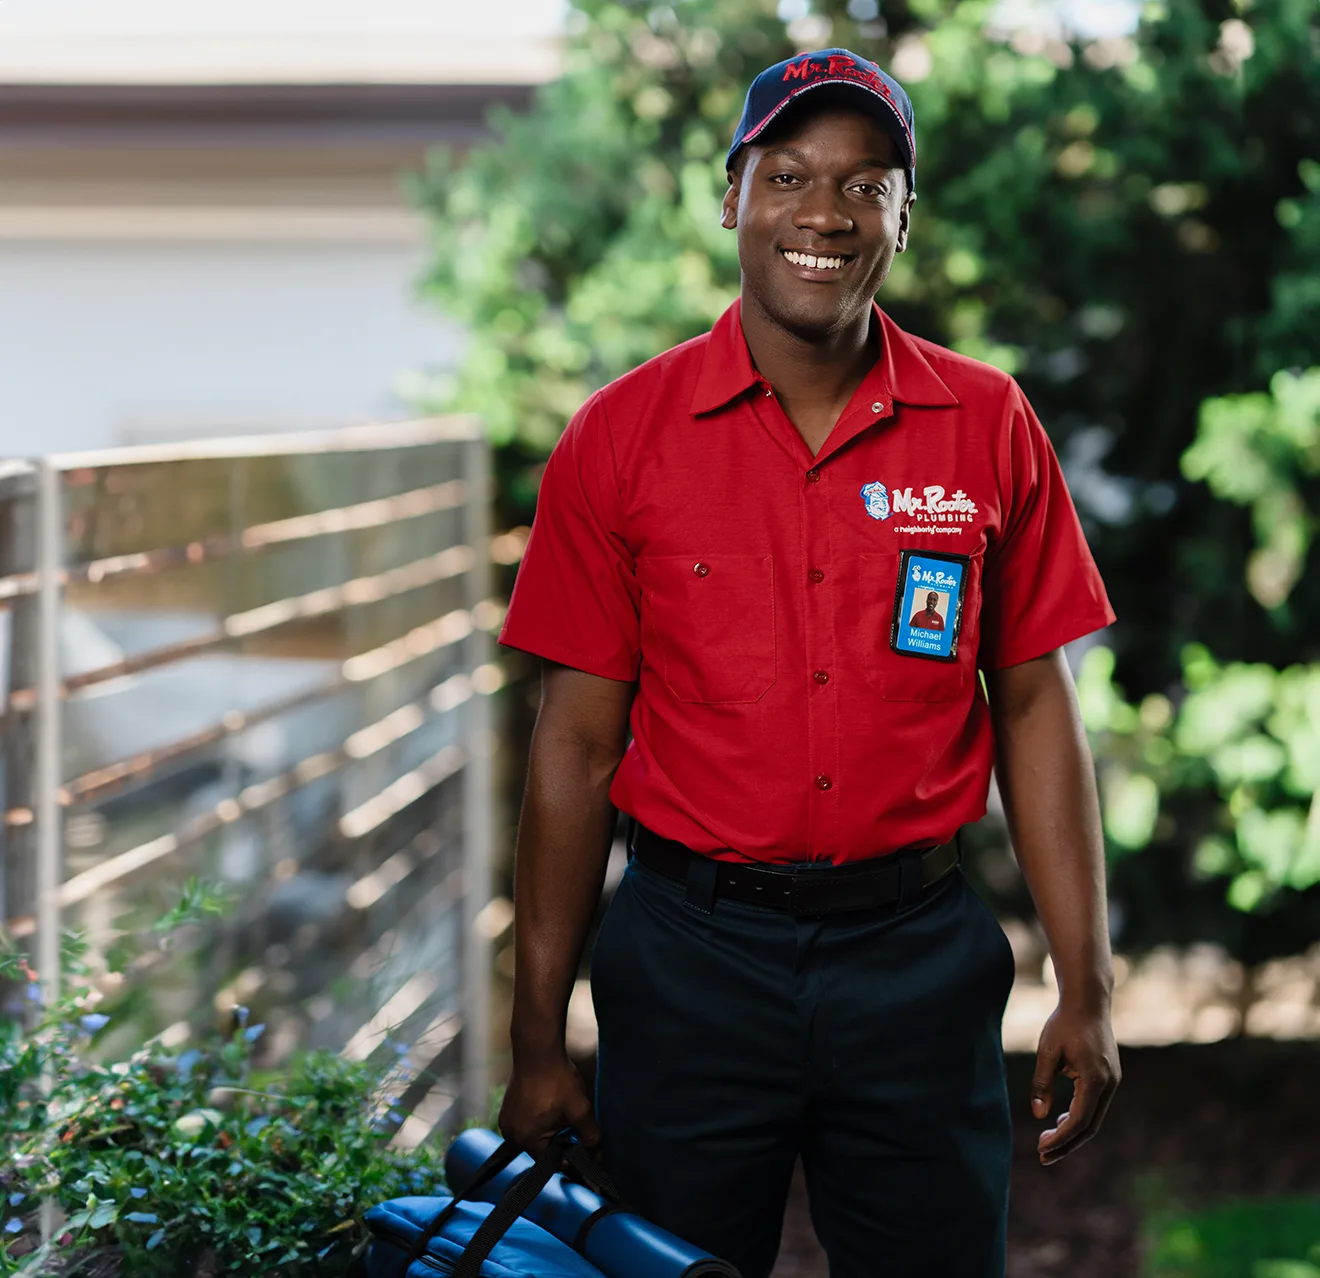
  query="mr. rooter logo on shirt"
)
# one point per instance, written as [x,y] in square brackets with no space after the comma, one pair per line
[928,506]
[932,505]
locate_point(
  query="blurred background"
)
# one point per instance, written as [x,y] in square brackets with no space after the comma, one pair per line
[268,225]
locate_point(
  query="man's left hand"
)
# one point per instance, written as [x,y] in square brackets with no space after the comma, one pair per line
[1079,1043]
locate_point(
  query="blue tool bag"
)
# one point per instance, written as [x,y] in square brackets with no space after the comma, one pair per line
[515,1217]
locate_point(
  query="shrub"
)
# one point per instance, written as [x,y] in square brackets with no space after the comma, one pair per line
[174,1162]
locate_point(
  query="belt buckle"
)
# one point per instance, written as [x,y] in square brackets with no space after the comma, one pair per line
[804,896]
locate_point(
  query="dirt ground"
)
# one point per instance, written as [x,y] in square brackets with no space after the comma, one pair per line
[1191,1124]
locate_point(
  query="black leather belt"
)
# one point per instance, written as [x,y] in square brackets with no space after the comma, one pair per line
[831,889]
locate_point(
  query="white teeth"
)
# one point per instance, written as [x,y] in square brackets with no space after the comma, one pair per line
[812,262]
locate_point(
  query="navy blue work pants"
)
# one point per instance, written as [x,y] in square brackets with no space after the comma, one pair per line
[733,1042]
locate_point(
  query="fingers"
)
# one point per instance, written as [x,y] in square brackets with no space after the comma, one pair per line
[1042,1081]
[1073,1125]
[538,1104]
[585,1127]
[1092,1095]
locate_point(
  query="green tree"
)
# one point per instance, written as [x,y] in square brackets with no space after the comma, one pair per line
[1231,772]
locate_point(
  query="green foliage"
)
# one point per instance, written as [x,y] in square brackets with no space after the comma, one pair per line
[197,901]
[587,239]
[1245,742]
[1244,738]
[1262,451]
[168,1157]
[1274,1238]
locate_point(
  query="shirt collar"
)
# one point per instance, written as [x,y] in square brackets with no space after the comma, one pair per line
[727,371]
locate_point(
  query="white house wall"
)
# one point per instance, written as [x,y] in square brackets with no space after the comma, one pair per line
[106,342]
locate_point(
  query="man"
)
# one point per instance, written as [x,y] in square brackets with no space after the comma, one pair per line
[793,966]
[928,618]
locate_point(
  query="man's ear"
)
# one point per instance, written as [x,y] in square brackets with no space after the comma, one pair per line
[905,221]
[729,208]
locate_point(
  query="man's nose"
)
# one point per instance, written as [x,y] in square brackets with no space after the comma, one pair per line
[822,210]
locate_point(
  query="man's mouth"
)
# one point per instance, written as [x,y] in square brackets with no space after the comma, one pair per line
[816,262]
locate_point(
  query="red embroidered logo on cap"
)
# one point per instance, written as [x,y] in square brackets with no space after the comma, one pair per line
[838,68]
[805,72]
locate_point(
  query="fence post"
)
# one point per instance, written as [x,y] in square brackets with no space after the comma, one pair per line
[48,815]
[477,795]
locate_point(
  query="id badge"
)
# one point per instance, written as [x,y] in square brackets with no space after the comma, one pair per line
[928,605]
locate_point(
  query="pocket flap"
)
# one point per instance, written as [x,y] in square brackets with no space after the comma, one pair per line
[712,620]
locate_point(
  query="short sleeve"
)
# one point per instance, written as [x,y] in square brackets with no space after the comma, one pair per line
[576,599]
[1040,586]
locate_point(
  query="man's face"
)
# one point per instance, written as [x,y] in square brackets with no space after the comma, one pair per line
[932,600]
[830,187]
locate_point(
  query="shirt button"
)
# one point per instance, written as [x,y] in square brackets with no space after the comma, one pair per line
[813,476]
[823,782]
[878,406]
[816,575]
[821,676]
[701,569]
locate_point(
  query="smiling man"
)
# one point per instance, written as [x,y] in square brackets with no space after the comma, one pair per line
[928,618]
[727,545]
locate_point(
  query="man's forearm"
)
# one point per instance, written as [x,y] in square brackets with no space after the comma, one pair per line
[564,837]
[1048,786]
[1047,782]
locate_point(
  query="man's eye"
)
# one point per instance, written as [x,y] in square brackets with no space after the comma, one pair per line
[867,189]
[783,179]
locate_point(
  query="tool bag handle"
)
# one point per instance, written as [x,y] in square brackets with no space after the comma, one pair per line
[517,1198]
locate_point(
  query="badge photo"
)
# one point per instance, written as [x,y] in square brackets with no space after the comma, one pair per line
[928,601]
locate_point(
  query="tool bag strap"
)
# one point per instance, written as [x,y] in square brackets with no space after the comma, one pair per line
[562,1149]
[517,1198]
[537,1176]
[592,1175]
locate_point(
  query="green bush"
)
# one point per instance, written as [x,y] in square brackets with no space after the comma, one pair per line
[1241,740]
[1274,1238]
[172,1162]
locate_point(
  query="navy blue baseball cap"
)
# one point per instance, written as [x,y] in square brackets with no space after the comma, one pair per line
[848,79]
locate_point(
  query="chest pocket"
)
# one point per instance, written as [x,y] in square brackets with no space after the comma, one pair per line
[899,676]
[711,619]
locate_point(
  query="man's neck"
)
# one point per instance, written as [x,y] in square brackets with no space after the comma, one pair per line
[812,374]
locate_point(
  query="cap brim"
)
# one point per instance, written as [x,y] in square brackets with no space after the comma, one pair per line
[845,93]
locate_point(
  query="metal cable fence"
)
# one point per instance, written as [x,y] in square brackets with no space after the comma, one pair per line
[264,663]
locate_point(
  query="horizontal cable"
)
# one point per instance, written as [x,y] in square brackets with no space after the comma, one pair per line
[254,798]
[281,612]
[368,514]
[398,1008]
[23,583]
[376,438]
[425,845]
[104,782]
[402,793]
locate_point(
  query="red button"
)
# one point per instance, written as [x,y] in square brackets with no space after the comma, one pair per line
[816,575]
[701,569]
[821,677]
[823,783]
[813,476]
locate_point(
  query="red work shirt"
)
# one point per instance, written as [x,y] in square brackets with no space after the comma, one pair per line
[685,538]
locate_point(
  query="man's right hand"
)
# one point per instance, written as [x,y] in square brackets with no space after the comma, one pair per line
[543,1098]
